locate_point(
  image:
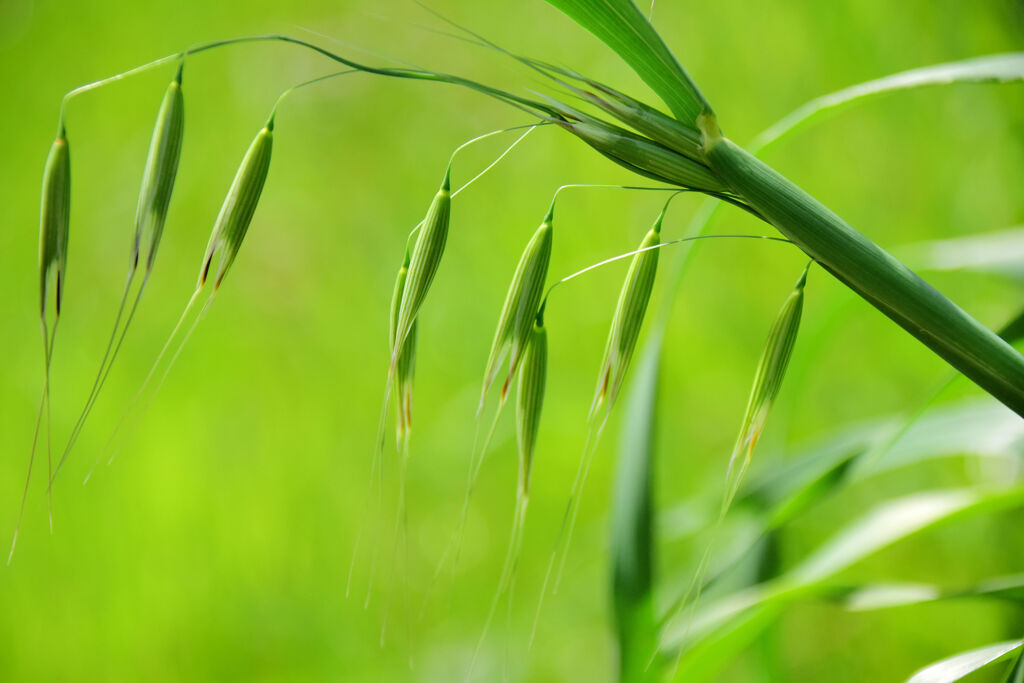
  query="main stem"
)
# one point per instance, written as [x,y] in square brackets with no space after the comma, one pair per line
[875,275]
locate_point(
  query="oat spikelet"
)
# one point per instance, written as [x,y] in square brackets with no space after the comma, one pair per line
[771,369]
[521,303]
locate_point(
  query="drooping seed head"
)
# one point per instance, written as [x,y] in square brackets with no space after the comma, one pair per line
[628,318]
[54,218]
[161,171]
[530,399]
[426,257]
[516,321]
[771,369]
[239,205]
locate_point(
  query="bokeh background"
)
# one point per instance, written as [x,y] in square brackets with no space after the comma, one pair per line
[217,546]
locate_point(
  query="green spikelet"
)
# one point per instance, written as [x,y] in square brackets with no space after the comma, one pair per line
[771,369]
[424,261]
[54,219]
[405,365]
[530,399]
[629,316]
[516,321]
[159,176]
[239,206]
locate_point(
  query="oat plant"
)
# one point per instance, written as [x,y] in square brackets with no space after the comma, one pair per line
[691,625]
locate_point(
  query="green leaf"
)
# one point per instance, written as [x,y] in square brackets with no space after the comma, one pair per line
[1002,68]
[886,595]
[632,549]
[623,28]
[980,428]
[1016,672]
[724,627]
[1000,252]
[958,666]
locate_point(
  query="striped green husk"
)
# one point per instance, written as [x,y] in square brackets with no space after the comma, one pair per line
[530,399]
[629,316]
[405,365]
[405,370]
[648,121]
[161,171]
[771,369]
[646,157]
[878,277]
[426,257]
[54,218]
[521,303]
[239,205]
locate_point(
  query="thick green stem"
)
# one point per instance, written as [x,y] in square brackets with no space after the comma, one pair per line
[879,278]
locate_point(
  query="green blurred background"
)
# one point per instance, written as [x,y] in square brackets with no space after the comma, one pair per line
[218,544]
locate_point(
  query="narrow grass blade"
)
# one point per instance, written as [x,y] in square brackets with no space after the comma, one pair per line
[1001,68]
[961,665]
[632,515]
[621,26]
[1016,671]
[725,626]
[886,596]
[1000,252]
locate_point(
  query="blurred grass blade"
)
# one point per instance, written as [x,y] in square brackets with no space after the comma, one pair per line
[883,526]
[1000,252]
[632,548]
[726,626]
[980,428]
[884,596]
[623,28]
[875,275]
[959,666]
[1016,672]
[1002,68]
